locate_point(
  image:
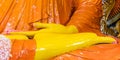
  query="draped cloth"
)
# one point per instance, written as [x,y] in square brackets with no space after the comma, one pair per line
[19,14]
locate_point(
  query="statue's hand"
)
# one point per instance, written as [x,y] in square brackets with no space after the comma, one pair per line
[52,44]
[49,28]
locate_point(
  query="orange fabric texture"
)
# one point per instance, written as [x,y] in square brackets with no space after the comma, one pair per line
[87,16]
[18,15]
[23,50]
[84,14]
[98,52]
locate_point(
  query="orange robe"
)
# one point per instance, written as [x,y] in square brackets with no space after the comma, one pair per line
[84,14]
